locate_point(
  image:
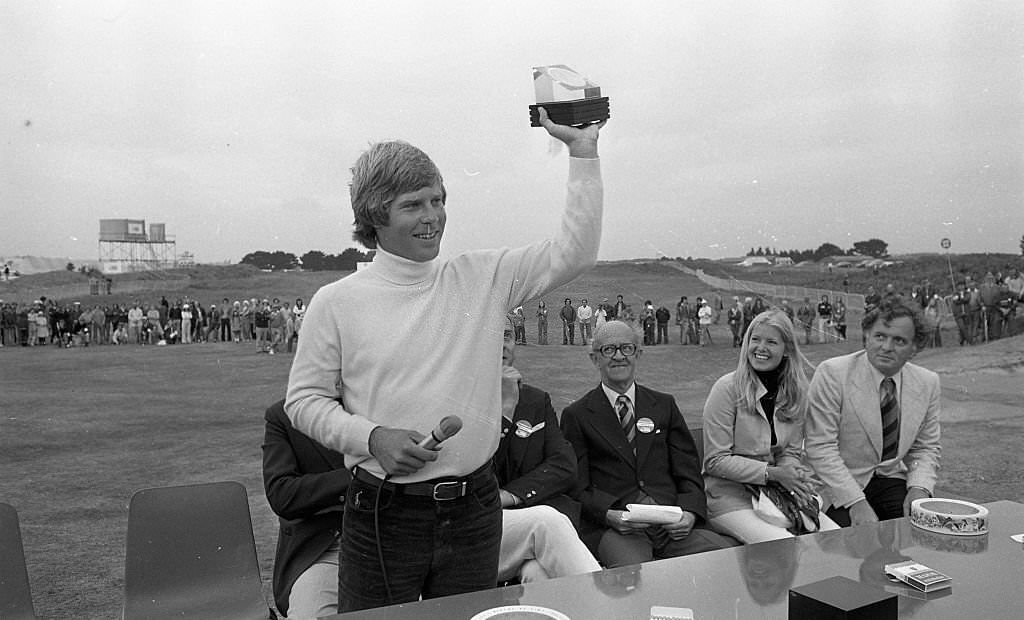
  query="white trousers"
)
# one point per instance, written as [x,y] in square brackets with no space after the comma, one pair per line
[315,592]
[748,528]
[540,543]
[824,331]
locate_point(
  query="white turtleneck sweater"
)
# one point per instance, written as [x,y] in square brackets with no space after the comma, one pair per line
[407,343]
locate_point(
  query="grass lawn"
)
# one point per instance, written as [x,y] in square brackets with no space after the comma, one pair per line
[81,429]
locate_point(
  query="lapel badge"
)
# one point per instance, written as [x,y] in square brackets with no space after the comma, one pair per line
[645,425]
[523,429]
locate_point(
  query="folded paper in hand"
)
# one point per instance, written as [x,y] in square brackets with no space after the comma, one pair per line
[653,514]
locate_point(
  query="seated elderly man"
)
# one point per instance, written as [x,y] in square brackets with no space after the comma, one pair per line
[535,467]
[632,446]
[872,432]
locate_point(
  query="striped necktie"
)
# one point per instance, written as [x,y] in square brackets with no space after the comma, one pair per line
[626,419]
[890,406]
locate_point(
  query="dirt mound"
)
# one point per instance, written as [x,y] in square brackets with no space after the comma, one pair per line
[221,272]
[979,383]
[40,281]
[28,265]
[65,285]
[1005,355]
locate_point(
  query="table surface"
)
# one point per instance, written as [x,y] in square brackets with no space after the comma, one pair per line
[753,581]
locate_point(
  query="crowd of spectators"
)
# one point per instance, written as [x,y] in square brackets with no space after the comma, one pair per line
[693,320]
[983,309]
[270,324]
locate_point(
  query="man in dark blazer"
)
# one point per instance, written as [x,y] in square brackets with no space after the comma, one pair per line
[535,467]
[305,485]
[658,466]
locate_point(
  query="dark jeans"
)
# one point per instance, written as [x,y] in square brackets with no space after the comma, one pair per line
[884,495]
[737,337]
[433,548]
[990,320]
[662,333]
[964,329]
[225,330]
[520,334]
[568,333]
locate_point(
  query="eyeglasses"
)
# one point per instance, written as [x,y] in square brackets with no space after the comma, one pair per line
[627,349]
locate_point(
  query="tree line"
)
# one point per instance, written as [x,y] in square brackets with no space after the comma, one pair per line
[314,260]
[875,248]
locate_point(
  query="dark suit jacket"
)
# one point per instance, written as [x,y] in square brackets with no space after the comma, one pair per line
[666,465]
[305,485]
[534,461]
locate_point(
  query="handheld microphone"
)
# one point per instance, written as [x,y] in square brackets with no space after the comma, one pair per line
[446,428]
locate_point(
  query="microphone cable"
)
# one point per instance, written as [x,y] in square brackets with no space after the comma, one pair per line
[376,534]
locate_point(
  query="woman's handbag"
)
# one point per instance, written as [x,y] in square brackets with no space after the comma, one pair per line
[777,506]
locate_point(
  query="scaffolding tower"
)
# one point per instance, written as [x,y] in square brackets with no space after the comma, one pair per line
[125,247]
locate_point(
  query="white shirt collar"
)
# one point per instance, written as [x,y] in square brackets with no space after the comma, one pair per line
[878,377]
[612,395]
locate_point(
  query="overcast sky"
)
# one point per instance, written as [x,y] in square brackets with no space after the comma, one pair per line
[734,124]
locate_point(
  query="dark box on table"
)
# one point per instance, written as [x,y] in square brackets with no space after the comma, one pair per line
[840,598]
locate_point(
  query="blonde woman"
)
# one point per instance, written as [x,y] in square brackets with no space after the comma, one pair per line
[753,431]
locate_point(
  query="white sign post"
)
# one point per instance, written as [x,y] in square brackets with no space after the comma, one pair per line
[946,243]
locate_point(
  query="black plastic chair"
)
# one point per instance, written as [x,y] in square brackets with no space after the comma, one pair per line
[15,593]
[190,553]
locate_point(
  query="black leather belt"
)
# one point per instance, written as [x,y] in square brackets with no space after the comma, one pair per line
[439,489]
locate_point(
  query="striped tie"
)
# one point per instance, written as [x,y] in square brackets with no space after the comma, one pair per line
[626,419]
[890,405]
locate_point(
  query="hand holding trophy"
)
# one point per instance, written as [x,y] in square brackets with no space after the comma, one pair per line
[568,97]
[569,107]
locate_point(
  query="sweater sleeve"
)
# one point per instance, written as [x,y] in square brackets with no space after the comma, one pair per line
[543,266]
[719,439]
[311,402]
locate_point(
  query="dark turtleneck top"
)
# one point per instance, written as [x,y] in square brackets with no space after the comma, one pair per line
[770,380]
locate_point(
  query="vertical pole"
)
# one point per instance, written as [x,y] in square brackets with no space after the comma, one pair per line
[952,280]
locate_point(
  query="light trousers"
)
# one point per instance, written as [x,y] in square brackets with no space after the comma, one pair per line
[748,528]
[315,593]
[538,543]
[824,331]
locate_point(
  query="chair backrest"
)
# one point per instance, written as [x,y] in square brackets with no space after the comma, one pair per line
[15,594]
[190,553]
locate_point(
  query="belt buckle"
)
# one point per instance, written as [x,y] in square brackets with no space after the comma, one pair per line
[444,491]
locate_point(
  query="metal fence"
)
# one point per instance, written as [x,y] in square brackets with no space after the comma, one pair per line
[776,292]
